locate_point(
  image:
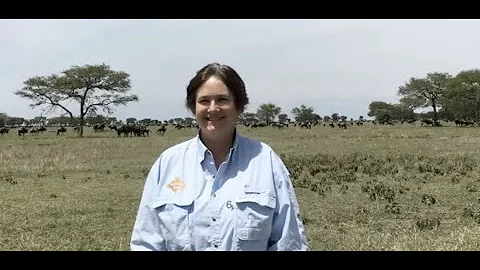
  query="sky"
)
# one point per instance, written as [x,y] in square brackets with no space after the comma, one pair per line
[334,66]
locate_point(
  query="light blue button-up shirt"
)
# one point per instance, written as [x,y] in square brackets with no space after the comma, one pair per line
[247,204]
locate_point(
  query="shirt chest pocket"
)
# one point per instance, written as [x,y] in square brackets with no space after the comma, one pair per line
[254,216]
[174,216]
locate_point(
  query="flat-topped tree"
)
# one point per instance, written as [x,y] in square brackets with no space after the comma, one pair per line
[429,91]
[92,87]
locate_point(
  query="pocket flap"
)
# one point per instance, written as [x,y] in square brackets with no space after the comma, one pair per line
[252,234]
[180,201]
[260,198]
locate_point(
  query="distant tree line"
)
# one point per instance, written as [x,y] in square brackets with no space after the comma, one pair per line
[98,87]
[449,97]
[269,112]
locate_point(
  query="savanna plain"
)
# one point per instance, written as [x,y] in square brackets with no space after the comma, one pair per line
[369,187]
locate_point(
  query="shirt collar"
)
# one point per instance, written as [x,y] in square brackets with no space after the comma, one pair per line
[202,149]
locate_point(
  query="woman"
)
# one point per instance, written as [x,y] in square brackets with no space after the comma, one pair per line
[218,190]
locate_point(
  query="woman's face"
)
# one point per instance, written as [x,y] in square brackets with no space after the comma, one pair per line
[215,109]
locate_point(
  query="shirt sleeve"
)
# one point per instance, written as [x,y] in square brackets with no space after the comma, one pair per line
[288,233]
[146,233]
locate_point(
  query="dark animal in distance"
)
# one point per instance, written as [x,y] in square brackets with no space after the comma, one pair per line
[98,127]
[162,130]
[3,130]
[61,131]
[22,131]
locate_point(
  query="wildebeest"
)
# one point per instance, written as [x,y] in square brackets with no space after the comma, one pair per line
[162,130]
[98,127]
[61,130]
[179,126]
[34,131]
[279,125]
[463,123]
[427,122]
[3,130]
[306,125]
[125,130]
[139,131]
[22,131]
[342,125]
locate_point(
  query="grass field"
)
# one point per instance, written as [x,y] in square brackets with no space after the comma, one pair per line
[365,188]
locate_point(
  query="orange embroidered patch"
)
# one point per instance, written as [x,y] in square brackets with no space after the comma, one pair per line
[176,184]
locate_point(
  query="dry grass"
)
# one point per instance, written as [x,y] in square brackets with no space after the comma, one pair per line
[64,193]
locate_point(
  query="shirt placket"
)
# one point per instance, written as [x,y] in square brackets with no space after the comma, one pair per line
[215,222]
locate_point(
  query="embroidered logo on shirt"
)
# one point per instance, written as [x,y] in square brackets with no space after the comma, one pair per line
[176,184]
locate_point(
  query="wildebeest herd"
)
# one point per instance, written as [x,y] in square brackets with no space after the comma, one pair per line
[138,130]
[125,130]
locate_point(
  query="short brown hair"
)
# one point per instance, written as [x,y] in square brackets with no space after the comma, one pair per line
[227,75]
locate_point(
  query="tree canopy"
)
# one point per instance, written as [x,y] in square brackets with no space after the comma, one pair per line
[268,112]
[304,114]
[428,91]
[92,87]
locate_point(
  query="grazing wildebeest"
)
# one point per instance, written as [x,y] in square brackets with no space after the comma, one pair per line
[22,131]
[279,125]
[125,130]
[3,130]
[306,125]
[179,126]
[463,123]
[61,130]
[34,131]
[427,122]
[141,131]
[162,130]
[98,127]
[138,131]
[42,129]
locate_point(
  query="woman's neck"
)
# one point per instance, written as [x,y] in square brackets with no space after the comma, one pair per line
[219,146]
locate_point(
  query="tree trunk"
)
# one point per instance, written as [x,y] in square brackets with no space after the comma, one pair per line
[434,105]
[82,115]
[476,106]
[80,130]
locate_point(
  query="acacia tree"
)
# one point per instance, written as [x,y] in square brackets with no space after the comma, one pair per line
[93,87]
[267,112]
[430,90]
[375,108]
[411,103]
[303,113]
[463,96]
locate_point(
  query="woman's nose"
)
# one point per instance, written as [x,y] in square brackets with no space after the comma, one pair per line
[212,106]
